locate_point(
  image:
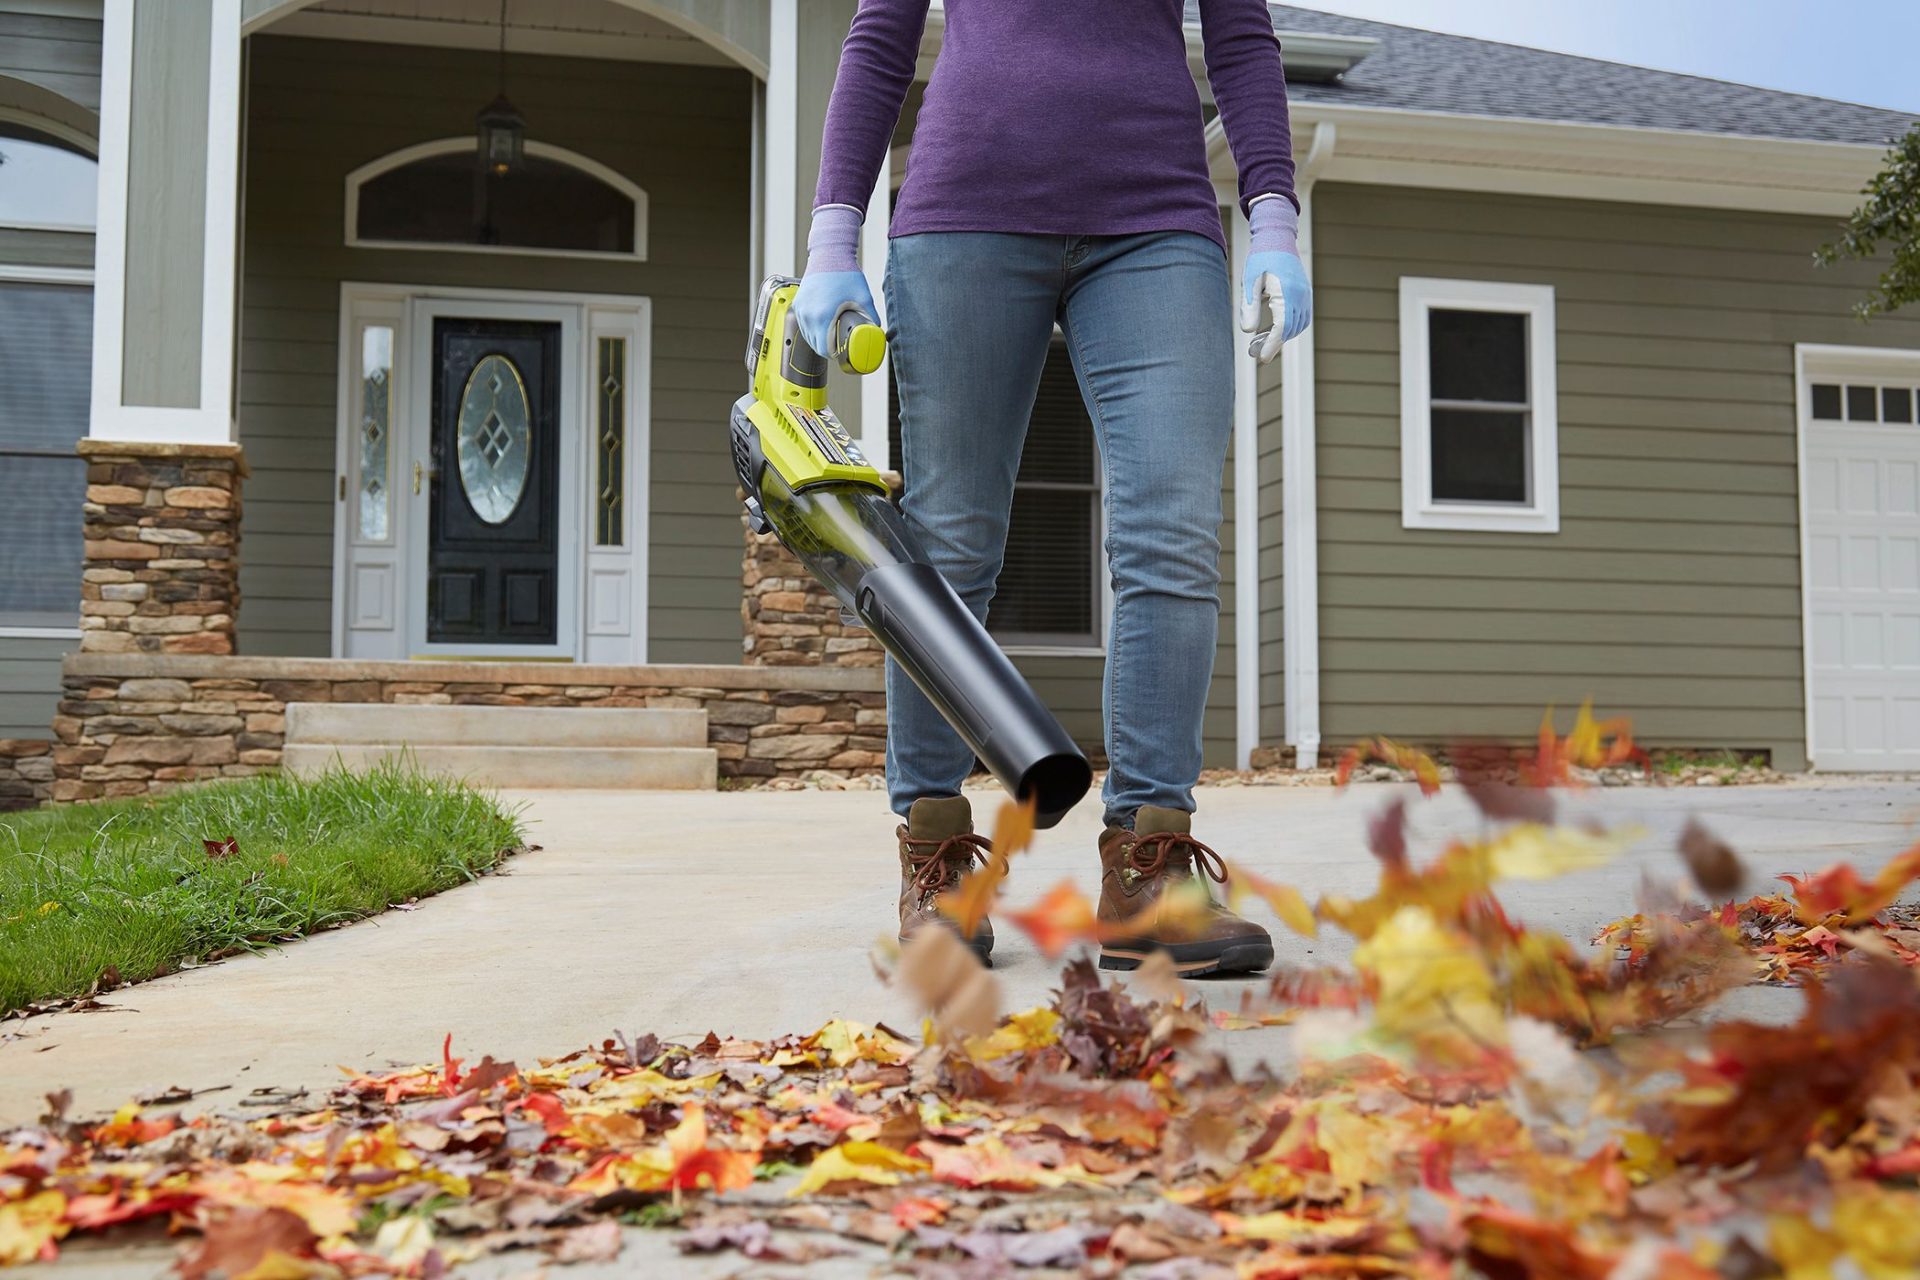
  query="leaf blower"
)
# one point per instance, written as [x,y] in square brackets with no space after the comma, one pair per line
[806,481]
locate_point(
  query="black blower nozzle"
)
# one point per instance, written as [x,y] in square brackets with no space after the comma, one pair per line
[850,537]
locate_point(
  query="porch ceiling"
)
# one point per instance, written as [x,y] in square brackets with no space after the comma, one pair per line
[700,32]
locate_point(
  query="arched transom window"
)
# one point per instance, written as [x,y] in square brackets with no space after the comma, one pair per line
[557,203]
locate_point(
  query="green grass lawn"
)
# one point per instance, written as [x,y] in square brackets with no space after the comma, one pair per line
[128,888]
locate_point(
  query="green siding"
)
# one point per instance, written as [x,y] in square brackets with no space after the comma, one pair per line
[1671,592]
[58,54]
[319,109]
[29,685]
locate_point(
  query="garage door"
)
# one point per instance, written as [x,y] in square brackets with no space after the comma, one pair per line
[1863,560]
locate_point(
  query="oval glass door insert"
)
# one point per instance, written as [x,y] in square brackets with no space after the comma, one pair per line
[495,438]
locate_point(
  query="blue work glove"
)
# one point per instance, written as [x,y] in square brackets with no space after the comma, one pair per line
[1275,277]
[833,281]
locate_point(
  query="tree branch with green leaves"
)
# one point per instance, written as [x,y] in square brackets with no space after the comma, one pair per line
[1890,218]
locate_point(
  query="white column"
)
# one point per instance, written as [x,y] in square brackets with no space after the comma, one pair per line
[781,152]
[116,415]
[873,255]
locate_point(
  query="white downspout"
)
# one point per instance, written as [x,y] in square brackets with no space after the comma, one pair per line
[782,156]
[1300,510]
[1246,527]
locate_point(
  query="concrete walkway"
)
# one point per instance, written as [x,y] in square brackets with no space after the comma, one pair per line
[753,913]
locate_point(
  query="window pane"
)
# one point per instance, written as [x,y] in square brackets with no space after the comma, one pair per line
[1826,400]
[1896,404]
[40,501]
[376,430]
[1477,355]
[1862,405]
[1046,586]
[1479,457]
[46,181]
[543,205]
[1059,446]
[46,369]
[610,450]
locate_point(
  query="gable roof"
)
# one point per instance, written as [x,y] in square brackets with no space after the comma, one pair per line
[1429,71]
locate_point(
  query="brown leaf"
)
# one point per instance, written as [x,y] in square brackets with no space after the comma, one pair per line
[1715,867]
[1502,801]
[236,1242]
[1387,835]
[950,983]
[595,1242]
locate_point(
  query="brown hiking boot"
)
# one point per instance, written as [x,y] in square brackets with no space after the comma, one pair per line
[1138,868]
[937,850]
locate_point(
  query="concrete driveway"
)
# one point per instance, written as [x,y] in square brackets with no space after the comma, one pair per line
[753,913]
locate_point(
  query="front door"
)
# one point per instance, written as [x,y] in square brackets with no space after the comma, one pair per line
[493,512]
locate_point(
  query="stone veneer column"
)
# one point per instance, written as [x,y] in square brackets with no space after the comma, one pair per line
[790,620]
[162,529]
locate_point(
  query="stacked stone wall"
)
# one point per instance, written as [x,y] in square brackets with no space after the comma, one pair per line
[162,531]
[136,724]
[26,773]
[790,620]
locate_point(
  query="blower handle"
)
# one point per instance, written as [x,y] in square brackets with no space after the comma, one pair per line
[859,343]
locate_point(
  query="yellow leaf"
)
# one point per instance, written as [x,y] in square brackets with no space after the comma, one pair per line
[1881,1229]
[967,905]
[1803,1250]
[405,1240]
[1285,901]
[846,1043]
[1535,852]
[1429,980]
[29,1227]
[858,1162]
[1034,1029]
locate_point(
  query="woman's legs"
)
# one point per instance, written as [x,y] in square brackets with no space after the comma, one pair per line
[969,316]
[1148,321]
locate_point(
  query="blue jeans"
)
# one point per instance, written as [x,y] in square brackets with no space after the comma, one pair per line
[1148,323]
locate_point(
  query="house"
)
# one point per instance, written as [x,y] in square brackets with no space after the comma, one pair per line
[318,401]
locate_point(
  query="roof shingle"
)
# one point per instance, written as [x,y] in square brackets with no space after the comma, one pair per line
[1416,70]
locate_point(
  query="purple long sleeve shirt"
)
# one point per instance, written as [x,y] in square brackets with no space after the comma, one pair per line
[1063,117]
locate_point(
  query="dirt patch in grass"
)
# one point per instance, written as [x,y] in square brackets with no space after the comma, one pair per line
[95,895]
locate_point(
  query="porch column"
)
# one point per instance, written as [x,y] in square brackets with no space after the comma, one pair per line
[803,55]
[162,512]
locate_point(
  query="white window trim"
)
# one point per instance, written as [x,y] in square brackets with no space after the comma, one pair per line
[540,150]
[1419,295]
[42,275]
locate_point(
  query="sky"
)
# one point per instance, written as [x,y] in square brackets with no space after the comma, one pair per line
[1855,50]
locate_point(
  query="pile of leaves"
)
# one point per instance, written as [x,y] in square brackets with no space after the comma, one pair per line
[1470,1097]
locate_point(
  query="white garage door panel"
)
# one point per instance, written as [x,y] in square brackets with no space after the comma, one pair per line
[1863,568]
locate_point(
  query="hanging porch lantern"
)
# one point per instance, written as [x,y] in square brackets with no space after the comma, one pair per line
[501,130]
[503,137]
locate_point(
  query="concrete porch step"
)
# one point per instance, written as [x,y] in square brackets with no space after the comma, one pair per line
[327,723]
[597,768]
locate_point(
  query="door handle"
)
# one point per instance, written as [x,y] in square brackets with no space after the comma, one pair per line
[416,477]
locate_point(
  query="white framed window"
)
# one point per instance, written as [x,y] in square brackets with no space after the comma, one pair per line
[46,343]
[1051,596]
[557,204]
[1479,429]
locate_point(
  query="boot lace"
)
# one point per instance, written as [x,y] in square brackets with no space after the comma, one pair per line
[939,865]
[1175,852]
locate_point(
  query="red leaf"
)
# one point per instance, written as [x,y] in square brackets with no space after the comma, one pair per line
[220,849]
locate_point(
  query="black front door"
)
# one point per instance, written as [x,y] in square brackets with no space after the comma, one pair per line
[493,559]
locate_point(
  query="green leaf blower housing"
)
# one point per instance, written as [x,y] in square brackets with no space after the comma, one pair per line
[805,480]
